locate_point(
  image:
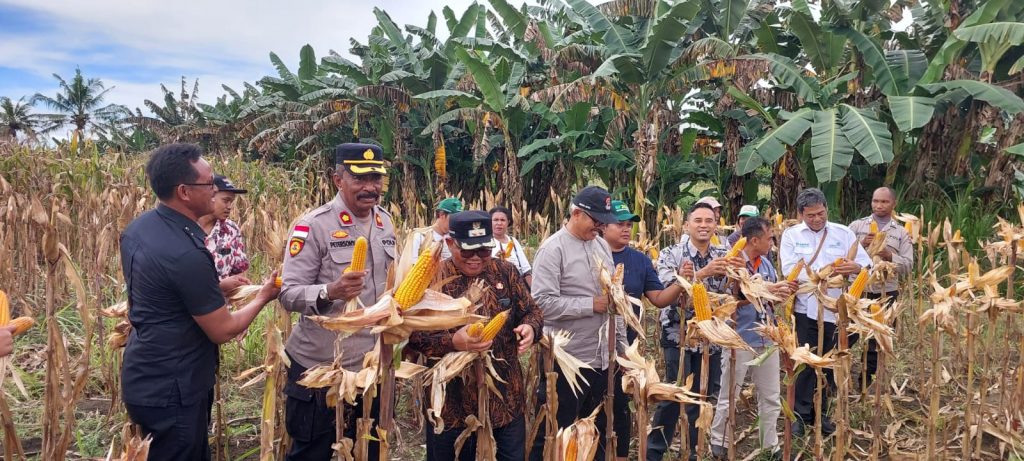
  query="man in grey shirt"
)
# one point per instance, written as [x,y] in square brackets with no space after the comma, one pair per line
[567,289]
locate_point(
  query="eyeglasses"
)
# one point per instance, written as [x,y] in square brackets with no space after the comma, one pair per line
[479,252]
[596,222]
[207,184]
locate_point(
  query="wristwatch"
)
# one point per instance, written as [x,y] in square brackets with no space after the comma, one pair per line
[322,296]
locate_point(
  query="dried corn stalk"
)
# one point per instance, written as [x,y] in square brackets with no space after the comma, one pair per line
[571,366]
[718,332]
[785,338]
[622,304]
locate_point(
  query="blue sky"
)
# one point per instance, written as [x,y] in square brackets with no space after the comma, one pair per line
[135,46]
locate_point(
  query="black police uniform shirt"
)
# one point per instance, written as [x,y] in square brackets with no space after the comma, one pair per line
[170,277]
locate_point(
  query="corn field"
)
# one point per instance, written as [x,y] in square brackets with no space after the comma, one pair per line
[952,385]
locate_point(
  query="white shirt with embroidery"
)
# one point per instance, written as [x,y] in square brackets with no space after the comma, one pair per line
[800,242]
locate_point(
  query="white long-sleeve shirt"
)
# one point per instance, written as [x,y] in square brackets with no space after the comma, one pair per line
[800,242]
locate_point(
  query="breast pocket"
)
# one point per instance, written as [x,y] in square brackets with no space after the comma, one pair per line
[341,255]
[391,252]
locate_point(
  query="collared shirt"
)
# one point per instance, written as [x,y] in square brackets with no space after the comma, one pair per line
[747,317]
[227,247]
[800,242]
[565,282]
[899,244]
[419,236]
[507,290]
[517,257]
[328,237]
[171,279]
[669,262]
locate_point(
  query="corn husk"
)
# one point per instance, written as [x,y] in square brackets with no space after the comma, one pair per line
[135,449]
[943,301]
[580,440]
[446,369]
[640,379]
[435,311]
[347,385]
[863,322]
[877,245]
[785,338]
[718,332]
[571,366]
[754,287]
[621,302]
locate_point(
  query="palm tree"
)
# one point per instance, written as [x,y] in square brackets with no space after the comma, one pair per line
[16,116]
[80,103]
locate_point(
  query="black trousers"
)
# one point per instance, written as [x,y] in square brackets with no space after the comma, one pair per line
[666,414]
[180,432]
[572,407]
[509,439]
[806,381]
[311,423]
[871,350]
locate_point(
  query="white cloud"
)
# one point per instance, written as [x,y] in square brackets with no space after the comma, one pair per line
[218,42]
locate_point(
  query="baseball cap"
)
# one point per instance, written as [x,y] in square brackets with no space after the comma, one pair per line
[749,211]
[622,213]
[450,205]
[224,185]
[711,201]
[597,203]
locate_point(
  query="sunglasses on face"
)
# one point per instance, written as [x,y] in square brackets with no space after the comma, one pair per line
[482,253]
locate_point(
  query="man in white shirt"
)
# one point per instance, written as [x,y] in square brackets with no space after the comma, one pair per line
[819,243]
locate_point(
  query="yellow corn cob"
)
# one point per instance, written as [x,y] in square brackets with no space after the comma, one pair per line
[508,250]
[874,228]
[524,91]
[973,272]
[571,449]
[778,219]
[737,248]
[358,256]
[721,221]
[476,329]
[877,314]
[494,326]
[653,253]
[859,283]
[715,241]
[411,290]
[701,303]
[22,324]
[278,281]
[5,309]
[907,226]
[795,271]
[440,160]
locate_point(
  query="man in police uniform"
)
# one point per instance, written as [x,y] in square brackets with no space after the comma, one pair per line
[899,250]
[314,283]
[176,308]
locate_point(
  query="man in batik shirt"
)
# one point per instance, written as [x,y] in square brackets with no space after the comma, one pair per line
[224,238]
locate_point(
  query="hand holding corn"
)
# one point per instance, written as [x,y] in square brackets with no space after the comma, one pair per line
[784,289]
[686,270]
[7,340]
[601,304]
[463,341]
[270,288]
[348,286]
[232,283]
[847,267]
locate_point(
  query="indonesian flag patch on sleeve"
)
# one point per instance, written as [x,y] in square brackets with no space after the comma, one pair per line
[298,240]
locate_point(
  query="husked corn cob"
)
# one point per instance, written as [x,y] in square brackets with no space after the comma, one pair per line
[5,309]
[737,248]
[715,240]
[411,290]
[701,303]
[907,226]
[358,256]
[778,219]
[278,282]
[571,449]
[721,222]
[795,271]
[21,324]
[440,160]
[874,228]
[859,283]
[494,326]
[956,236]
[507,253]
[653,253]
[876,313]
[476,329]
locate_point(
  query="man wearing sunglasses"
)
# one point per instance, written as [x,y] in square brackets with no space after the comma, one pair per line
[471,242]
[567,289]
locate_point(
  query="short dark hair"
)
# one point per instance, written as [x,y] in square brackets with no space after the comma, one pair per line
[500,209]
[170,165]
[697,206]
[754,226]
[810,197]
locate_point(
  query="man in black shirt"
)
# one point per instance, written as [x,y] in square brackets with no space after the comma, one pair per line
[176,308]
